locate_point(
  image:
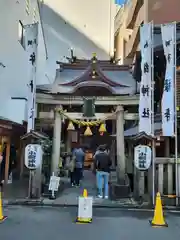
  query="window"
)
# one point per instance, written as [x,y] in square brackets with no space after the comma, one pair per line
[21,34]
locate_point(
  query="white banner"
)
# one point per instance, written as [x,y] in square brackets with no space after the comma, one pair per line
[145,102]
[31,42]
[168,32]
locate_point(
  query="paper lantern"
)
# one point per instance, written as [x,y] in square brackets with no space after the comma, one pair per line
[88,132]
[70,126]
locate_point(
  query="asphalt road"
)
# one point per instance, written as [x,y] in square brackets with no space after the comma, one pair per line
[41,223]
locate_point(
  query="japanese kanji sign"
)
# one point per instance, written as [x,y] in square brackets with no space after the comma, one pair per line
[142,157]
[168,98]
[145,102]
[33,156]
[31,40]
[85,208]
[54,183]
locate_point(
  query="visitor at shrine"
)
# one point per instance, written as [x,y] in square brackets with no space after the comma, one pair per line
[102,164]
[104,147]
[71,168]
[79,156]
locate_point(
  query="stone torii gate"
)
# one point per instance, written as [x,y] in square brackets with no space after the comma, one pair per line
[119,117]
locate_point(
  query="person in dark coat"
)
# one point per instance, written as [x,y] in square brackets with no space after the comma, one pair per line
[79,156]
[102,164]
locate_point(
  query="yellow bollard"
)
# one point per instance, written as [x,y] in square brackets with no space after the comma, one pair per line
[2,217]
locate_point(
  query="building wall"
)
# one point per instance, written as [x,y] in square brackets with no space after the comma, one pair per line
[122,35]
[85,26]
[163,11]
[13,77]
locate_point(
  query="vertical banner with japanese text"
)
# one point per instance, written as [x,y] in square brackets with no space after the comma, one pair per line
[145,101]
[168,32]
[31,42]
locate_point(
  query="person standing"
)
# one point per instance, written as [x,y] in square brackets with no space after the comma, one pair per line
[71,168]
[79,156]
[102,165]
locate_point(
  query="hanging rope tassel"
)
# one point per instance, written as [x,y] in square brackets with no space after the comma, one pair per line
[88,132]
[102,128]
[70,126]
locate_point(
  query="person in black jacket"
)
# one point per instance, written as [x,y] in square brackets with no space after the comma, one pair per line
[102,165]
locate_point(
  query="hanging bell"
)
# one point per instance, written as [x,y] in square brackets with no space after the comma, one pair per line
[102,128]
[88,132]
[70,126]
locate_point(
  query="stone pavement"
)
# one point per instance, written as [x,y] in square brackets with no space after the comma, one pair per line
[18,189]
[16,194]
[69,196]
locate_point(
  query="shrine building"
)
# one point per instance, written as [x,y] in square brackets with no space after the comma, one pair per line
[87,95]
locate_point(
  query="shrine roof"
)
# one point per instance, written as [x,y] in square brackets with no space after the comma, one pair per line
[36,135]
[92,73]
[134,131]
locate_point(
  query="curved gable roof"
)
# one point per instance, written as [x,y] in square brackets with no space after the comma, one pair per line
[70,77]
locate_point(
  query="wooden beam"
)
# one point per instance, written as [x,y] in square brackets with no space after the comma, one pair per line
[165,160]
[109,116]
[76,100]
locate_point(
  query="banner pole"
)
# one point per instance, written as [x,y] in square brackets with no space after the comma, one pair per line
[152,114]
[176,134]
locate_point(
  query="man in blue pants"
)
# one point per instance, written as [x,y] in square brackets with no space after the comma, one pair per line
[102,165]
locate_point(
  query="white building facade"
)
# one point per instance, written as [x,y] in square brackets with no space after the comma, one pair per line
[85,26]
[14,58]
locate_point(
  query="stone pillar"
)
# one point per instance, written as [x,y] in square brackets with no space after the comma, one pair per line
[141,184]
[169,167]
[160,178]
[56,143]
[113,146]
[120,144]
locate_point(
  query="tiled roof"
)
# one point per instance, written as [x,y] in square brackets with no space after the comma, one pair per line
[73,76]
[135,130]
[35,134]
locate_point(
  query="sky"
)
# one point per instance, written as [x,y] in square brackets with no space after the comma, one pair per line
[120,2]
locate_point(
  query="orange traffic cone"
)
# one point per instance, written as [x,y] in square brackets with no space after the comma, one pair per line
[2,217]
[158,219]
